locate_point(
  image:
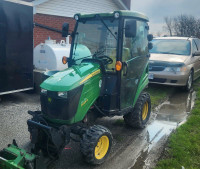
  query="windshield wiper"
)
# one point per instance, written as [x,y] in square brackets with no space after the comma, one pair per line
[101,19]
[96,54]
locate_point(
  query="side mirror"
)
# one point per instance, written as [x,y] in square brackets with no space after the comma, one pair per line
[65,30]
[196,54]
[150,37]
[150,45]
[130,28]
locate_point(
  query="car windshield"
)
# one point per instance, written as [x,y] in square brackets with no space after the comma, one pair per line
[171,46]
[94,39]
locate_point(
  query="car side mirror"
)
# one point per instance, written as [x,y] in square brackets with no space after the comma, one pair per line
[65,30]
[130,28]
[150,37]
[196,53]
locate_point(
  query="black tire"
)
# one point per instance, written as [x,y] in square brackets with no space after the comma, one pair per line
[89,143]
[189,82]
[135,118]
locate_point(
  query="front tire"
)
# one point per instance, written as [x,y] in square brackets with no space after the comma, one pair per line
[96,144]
[189,82]
[141,112]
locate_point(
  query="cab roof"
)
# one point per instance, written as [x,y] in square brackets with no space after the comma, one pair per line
[121,12]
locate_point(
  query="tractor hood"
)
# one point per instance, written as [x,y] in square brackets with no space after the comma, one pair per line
[71,78]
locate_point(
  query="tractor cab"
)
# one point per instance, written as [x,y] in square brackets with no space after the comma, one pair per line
[118,43]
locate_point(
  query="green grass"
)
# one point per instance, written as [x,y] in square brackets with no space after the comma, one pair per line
[158,93]
[184,144]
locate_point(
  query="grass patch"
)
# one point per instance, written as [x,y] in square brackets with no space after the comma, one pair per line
[184,144]
[158,93]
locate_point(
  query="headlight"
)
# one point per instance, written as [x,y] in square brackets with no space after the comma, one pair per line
[116,15]
[44,91]
[175,69]
[76,17]
[62,94]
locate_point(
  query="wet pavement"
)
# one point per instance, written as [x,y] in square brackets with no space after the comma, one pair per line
[135,149]
[168,116]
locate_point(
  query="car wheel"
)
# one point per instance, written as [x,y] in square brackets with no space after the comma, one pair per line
[189,81]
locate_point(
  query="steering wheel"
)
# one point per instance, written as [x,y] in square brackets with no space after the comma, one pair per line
[106,59]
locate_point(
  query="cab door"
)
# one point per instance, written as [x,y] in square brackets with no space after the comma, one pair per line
[134,59]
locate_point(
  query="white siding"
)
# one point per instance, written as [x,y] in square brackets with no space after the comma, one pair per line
[69,7]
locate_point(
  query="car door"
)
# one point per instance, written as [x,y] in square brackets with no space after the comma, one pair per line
[197,58]
[134,58]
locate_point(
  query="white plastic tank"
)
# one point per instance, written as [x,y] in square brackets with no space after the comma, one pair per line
[49,55]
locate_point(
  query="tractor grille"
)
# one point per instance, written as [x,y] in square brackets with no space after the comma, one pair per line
[58,108]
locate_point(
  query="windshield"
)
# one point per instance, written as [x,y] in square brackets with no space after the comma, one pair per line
[171,46]
[96,39]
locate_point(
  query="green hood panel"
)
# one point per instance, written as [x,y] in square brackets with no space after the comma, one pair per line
[71,78]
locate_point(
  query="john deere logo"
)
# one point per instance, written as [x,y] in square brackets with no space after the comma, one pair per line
[49,100]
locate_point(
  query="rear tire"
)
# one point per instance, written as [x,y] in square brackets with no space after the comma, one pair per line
[189,82]
[140,114]
[96,144]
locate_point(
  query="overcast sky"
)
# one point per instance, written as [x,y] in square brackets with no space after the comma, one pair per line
[156,10]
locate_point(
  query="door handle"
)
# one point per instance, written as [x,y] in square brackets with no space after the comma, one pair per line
[125,68]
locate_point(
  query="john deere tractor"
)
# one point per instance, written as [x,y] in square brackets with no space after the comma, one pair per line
[108,71]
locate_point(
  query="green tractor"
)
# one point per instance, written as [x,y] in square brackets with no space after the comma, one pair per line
[108,71]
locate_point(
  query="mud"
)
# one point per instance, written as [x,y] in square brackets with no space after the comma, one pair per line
[133,149]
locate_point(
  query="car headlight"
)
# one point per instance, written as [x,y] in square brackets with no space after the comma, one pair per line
[176,69]
[62,94]
[44,91]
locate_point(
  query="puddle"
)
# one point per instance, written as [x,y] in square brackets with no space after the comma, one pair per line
[170,114]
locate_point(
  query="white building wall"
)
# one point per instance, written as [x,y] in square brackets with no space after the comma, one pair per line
[68,8]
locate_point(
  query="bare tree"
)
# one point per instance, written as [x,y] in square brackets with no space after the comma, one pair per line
[198,28]
[183,25]
[169,24]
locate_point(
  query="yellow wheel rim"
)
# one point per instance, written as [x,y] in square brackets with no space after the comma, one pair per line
[102,147]
[145,111]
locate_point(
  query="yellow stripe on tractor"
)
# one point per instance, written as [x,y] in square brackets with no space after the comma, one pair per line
[90,75]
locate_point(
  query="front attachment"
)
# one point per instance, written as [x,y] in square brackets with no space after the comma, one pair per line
[50,139]
[13,157]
